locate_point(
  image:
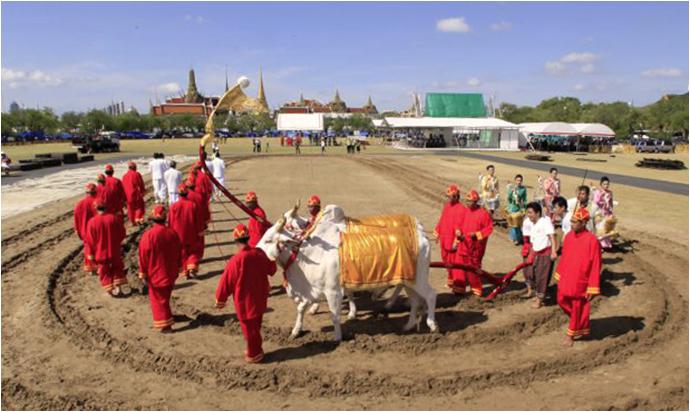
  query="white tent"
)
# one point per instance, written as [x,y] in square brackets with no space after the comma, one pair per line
[502,134]
[548,128]
[300,121]
[593,129]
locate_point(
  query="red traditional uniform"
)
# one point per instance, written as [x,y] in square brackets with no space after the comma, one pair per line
[314,205]
[83,212]
[115,186]
[445,232]
[245,278]
[475,221]
[134,188]
[204,214]
[105,195]
[160,259]
[184,220]
[577,275]
[104,235]
[256,228]
[203,184]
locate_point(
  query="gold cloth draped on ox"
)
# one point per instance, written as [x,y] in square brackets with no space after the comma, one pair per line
[379,251]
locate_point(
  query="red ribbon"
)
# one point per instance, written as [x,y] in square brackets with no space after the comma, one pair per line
[226,192]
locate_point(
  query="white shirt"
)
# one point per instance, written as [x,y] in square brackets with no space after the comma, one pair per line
[572,203]
[538,233]
[218,168]
[209,165]
[173,178]
[158,168]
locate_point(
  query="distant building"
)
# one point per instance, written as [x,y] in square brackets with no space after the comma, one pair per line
[195,104]
[336,107]
[14,107]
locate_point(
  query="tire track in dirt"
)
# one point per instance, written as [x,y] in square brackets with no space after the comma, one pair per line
[669,319]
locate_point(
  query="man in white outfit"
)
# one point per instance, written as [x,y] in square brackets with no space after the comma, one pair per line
[173,179]
[218,171]
[158,166]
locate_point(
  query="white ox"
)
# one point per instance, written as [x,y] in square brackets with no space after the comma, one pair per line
[315,273]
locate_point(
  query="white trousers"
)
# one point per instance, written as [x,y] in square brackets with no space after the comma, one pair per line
[159,190]
[216,191]
[173,197]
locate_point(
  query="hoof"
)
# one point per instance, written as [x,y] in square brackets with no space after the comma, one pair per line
[314,309]
[351,316]
[294,335]
[409,327]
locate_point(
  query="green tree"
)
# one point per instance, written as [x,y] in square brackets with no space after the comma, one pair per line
[96,120]
[71,120]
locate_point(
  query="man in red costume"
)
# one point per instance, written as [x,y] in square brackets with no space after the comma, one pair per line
[203,182]
[577,275]
[184,219]
[245,278]
[114,185]
[256,228]
[104,236]
[134,188]
[445,232]
[472,233]
[204,214]
[160,259]
[83,212]
[314,207]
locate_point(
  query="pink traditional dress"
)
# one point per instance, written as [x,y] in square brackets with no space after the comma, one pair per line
[552,189]
[605,221]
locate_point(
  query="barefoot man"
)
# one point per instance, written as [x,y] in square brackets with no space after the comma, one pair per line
[577,275]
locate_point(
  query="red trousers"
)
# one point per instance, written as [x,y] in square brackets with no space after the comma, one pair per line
[135,210]
[112,273]
[89,266]
[251,328]
[160,306]
[578,310]
[461,277]
[191,256]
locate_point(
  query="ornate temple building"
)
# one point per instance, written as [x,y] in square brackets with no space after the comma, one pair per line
[193,103]
[335,106]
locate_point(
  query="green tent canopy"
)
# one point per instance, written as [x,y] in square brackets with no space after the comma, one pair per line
[454,105]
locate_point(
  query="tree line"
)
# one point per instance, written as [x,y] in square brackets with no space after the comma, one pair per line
[665,118]
[45,120]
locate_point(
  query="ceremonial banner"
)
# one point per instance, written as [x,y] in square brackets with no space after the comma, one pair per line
[379,251]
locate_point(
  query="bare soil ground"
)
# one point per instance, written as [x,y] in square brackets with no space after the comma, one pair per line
[67,346]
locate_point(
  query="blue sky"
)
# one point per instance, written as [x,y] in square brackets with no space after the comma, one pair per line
[81,55]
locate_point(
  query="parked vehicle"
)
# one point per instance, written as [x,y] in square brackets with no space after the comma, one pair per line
[653,146]
[103,142]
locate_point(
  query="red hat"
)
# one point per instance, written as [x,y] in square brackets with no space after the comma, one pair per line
[453,190]
[158,212]
[240,232]
[250,196]
[314,201]
[100,177]
[90,188]
[581,214]
[472,195]
[132,165]
[182,189]
[109,168]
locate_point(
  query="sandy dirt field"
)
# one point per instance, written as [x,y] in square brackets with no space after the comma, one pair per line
[67,346]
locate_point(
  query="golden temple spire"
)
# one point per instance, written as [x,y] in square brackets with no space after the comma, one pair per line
[262,94]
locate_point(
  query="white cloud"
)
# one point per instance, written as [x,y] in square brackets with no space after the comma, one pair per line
[189,17]
[555,67]
[473,82]
[579,87]
[571,62]
[171,87]
[661,72]
[579,58]
[453,24]
[587,68]
[19,78]
[501,26]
